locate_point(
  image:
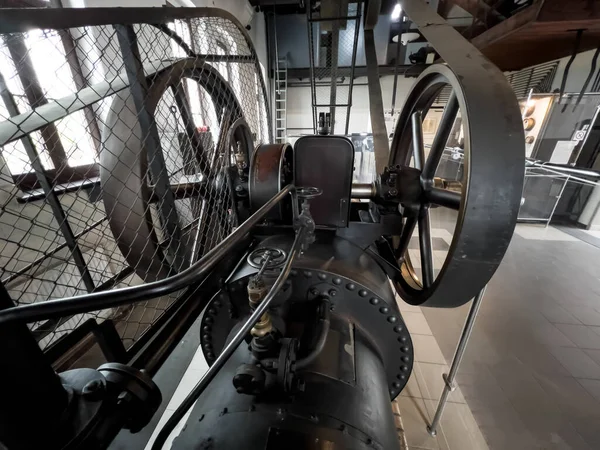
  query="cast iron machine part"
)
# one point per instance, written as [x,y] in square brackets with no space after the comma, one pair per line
[303,334]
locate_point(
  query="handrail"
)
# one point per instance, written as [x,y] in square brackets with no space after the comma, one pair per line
[134,294]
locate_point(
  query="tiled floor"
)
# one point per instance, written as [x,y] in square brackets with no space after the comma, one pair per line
[531,373]
[418,401]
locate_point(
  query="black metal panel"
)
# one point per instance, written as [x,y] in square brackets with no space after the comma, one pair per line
[326,162]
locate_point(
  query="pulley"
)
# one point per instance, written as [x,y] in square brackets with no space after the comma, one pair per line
[271,168]
[164,218]
[459,196]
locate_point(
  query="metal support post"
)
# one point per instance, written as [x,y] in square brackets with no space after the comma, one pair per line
[138,87]
[380,137]
[311,60]
[354,47]
[449,385]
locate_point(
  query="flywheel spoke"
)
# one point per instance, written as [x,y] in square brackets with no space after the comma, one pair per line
[441,137]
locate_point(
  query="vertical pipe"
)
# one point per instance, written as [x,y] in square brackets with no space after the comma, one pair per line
[335,52]
[33,399]
[398,46]
[456,360]
[354,49]
[311,60]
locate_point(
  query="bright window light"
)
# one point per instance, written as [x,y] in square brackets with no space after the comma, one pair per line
[396,12]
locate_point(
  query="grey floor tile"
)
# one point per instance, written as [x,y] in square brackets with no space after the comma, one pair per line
[592,386]
[518,373]
[416,323]
[427,349]
[457,428]
[558,314]
[431,383]
[577,362]
[415,418]
[550,334]
[584,336]
[594,354]
[587,315]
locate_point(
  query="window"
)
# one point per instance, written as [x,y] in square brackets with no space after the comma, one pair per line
[36,69]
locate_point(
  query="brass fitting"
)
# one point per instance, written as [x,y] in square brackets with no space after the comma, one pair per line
[263,327]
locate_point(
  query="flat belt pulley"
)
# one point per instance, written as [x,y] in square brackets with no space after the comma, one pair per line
[161,232]
[458,226]
[271,169]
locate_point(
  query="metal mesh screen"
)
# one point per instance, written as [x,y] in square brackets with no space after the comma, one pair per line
[334,44]
[115,145]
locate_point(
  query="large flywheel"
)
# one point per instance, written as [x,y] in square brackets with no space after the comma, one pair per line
[163,220]
[469,176]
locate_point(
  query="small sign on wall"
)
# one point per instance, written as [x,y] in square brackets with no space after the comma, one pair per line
[563,151]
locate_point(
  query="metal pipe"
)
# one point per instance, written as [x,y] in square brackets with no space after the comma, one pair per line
[311,56]
[353,64]
[444,197]
[134,294]
[397,62]
[363,190]
[456,360]
[327,19]
[231,347]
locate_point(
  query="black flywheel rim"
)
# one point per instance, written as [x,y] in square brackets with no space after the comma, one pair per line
[483,204]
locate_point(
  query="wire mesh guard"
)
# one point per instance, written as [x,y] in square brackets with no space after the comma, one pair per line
[115,145]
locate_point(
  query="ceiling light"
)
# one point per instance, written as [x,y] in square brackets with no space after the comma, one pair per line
[396,12]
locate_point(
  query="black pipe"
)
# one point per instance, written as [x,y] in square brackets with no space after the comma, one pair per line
[353,63]
[134,294]
[324,325]
[398,45]
[563,83]
[589,77]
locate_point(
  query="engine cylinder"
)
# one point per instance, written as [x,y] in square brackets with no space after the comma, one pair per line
[344,404]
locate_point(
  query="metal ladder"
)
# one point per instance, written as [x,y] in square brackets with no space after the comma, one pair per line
[281,100]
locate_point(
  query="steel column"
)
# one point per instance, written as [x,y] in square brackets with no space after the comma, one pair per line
[139,90]
[380,139]
[353,64]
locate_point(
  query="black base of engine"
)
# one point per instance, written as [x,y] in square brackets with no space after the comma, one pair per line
[345,404]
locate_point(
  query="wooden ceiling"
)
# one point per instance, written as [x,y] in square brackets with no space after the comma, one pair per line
[541,32]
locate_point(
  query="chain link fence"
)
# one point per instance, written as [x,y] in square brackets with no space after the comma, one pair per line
[115,149]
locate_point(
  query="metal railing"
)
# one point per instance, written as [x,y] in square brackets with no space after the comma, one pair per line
[544,187]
